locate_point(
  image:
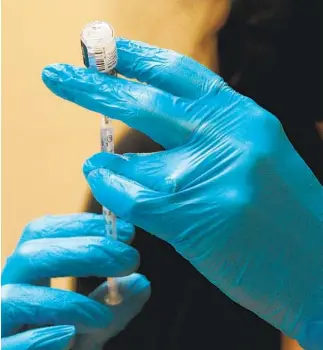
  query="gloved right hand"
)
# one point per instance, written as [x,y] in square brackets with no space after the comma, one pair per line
[70,245]
[229,192]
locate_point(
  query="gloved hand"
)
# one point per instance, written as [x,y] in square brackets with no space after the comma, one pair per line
[70,245]
[229,193]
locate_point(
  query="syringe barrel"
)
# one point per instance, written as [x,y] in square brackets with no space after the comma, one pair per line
[100,53]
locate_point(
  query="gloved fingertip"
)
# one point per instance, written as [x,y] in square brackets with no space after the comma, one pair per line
[135,290]
[48,75]
[95,176]
[59,78]
[134,285]
[94,162]
[53,73]
[103,160]
[126,231]
[54,80]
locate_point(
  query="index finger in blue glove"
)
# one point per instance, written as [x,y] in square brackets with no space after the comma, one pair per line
[158,114]
[49,338]
[150,170]
[127,195]
[76,256]
[165,69]
[24,266]
[74,225]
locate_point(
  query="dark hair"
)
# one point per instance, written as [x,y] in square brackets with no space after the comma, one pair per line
[269,51]
[261,56]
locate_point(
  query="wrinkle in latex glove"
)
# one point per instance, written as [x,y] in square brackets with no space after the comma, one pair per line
[230,193]
[67,245]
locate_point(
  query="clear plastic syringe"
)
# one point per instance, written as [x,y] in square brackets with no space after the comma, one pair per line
[99,52]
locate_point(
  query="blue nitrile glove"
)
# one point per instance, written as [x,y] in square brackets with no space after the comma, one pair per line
[229,193]
[68,245]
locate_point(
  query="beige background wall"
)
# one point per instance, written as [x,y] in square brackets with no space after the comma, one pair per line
[45,140]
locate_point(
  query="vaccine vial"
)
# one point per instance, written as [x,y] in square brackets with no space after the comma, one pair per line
[99,47]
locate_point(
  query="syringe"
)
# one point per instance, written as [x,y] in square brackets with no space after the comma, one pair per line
[99,52]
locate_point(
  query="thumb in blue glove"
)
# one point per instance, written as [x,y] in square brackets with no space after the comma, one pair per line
[229,192]
[134,293]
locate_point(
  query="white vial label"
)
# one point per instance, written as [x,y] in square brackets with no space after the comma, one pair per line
[103,59]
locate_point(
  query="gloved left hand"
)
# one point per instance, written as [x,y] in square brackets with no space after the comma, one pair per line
[69,245]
